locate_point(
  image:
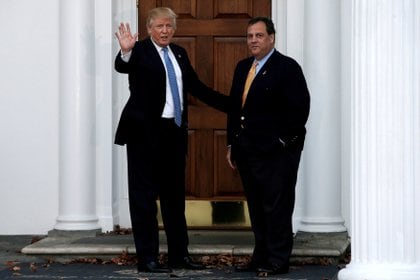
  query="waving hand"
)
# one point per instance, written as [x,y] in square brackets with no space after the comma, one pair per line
[125,38]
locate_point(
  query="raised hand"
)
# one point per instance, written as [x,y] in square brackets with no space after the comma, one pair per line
[125,38]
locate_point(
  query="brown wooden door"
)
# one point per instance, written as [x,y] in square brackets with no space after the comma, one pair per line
[214,34]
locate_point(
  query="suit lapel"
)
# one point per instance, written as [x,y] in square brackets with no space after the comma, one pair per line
[153,54]
[261,76]
[179,57]
[265,70]
[155,61]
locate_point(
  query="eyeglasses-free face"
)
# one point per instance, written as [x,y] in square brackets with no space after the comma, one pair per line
[260,43]
[161,30]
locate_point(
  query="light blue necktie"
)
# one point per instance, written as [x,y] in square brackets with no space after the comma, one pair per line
[174,87]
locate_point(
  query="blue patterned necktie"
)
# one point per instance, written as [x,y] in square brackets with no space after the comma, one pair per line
[174,87]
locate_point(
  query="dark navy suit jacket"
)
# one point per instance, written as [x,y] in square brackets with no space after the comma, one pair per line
[276,108]
[147,82]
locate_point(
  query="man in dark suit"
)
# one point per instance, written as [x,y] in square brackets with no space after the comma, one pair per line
[153,125]
[266,131]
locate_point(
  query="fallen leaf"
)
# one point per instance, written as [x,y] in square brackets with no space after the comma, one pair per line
[33,267]
[36,239]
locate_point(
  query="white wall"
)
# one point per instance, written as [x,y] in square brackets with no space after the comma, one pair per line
[28,116]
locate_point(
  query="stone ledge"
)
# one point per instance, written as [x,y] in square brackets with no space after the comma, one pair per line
[306,245]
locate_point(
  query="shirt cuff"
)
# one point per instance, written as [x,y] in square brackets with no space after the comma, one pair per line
[125,56]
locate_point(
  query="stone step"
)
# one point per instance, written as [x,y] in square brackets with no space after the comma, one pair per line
[307,246]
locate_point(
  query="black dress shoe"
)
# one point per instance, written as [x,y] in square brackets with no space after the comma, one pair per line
[249,267]
[186,263]
[153,267]
[272,269]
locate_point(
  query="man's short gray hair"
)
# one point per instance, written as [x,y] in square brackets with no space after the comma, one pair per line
[163,12]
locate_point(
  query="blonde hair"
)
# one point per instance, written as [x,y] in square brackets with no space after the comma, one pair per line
[163,12]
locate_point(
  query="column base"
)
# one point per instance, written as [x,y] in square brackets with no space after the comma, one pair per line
[322,225]
[387,271]
[74,234]
[75,223]
[308,245]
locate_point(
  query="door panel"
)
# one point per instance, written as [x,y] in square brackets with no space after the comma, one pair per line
[214,34]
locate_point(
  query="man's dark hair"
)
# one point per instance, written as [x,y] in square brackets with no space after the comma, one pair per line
[269,25]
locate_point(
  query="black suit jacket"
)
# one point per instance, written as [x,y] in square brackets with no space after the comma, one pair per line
[147,83]
[276,108]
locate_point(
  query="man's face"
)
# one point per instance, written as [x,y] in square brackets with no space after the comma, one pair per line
[161,30]
[258,40]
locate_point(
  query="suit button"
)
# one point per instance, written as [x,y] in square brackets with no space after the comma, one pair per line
[242,118]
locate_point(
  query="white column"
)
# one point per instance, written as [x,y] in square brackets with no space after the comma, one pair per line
[323,143]
[288,17]
[77,207]
[104,53]
[385,145]
[122,11]
[279,17]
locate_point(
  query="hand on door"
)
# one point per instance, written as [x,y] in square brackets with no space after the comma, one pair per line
[125,38]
